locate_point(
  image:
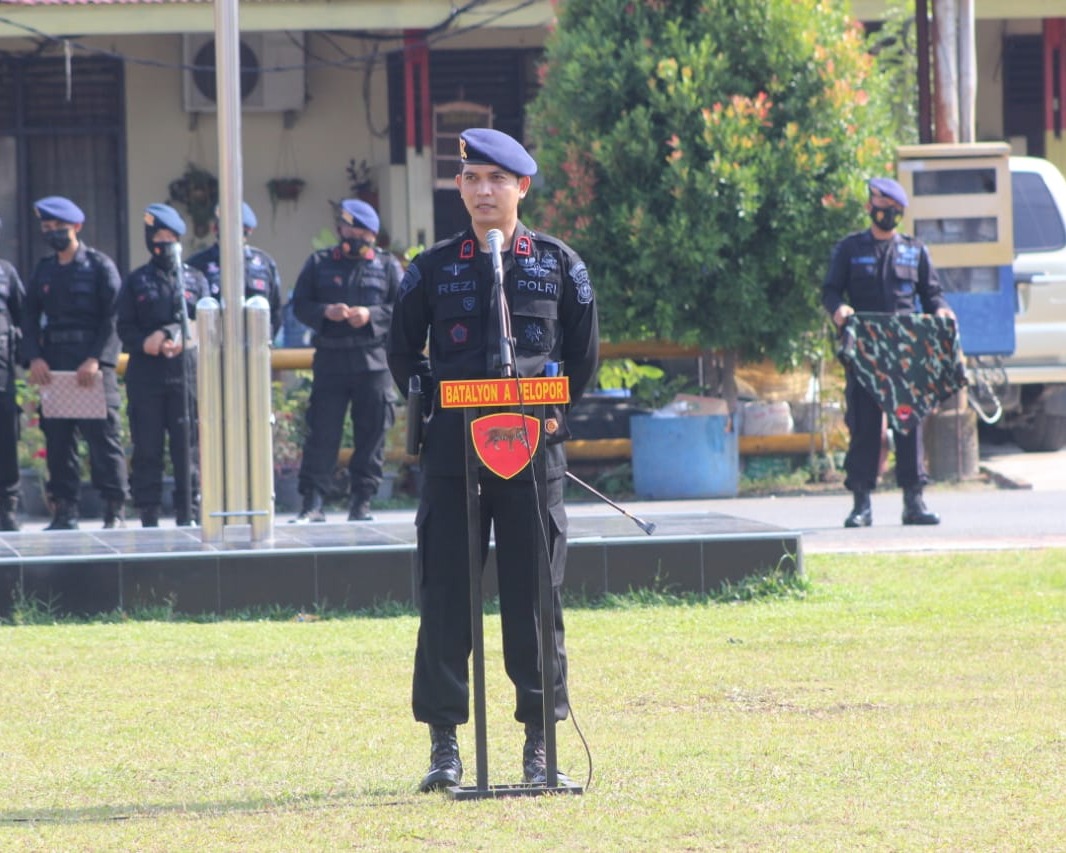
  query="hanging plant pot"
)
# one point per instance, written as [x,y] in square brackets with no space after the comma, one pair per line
[285,189]
[197,191]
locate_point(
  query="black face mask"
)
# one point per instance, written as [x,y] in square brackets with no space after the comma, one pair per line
[58,239]
[162,256]
[353,248]
[886,218]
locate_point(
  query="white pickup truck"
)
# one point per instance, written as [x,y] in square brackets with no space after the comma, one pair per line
[1033,398]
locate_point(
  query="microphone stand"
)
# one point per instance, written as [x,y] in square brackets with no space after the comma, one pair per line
[545,602]
[503,315]
[182,317]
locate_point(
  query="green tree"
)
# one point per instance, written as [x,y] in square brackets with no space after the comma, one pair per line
[703,156]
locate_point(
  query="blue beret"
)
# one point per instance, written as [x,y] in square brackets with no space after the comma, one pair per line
[889,189]
[481,146]
[59,208]
[248,219]
[158,216]
[359,214]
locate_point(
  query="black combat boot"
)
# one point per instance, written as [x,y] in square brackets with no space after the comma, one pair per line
[861,514]
[65,515]
[360,510]
[184,519]
[534,762]
[312,509]
[7,513]
[150,516]
[914,511]
[114,514]
[445,768]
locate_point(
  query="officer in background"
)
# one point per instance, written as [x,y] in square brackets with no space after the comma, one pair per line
[69,324]
[12,295]
[447,293]
[261,277]
[161,374]
[345,294]
[880,270]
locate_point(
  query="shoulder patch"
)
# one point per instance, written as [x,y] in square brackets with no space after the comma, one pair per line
[580,275]
[411,278]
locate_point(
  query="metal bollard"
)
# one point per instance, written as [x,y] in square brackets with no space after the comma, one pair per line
[260,419]
[209,406]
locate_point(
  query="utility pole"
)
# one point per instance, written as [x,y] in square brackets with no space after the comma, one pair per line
[954,70]
[946,70]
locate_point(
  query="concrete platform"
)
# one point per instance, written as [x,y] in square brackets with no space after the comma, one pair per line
[355,565]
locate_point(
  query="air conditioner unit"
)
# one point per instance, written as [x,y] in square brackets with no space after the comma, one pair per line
[263,89]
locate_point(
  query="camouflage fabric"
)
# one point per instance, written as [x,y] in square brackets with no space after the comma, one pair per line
[908,362]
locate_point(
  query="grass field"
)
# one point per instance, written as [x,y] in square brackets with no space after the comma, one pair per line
[898,703]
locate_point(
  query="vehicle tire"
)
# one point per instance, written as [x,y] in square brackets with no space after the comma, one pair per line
[1045,434]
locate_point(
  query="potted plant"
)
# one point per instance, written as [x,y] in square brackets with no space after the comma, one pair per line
[197,191]
[289,433]
[284,189]
[32,455]
[361,182]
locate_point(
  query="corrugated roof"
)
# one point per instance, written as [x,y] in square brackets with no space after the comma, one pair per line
[104,2]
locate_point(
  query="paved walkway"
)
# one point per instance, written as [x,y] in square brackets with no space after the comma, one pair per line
[1026,511]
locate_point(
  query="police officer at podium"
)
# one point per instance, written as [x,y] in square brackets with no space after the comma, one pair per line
[261,277]
[447,293]
[345,295]
[12,294]
[161,374]
[69,324]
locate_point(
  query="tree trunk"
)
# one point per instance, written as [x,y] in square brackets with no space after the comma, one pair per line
[720,376]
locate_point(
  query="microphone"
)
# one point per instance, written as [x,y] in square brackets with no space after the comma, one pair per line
[506,362]
[495,241]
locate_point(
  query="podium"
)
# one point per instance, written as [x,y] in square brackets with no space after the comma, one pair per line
[505,442]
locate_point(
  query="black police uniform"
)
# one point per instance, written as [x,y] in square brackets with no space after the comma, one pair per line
[261,278]
[155,384]
[350,370]
[447,292]
[893,276]
[69,317]
[12,295]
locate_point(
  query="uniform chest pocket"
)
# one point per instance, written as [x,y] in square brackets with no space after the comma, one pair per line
[83,293]
[154,307]
[332,285]
[534,319]
[457,324]
[906,272]
[372,289]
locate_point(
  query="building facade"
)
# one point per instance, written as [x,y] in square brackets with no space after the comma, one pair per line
[346,97]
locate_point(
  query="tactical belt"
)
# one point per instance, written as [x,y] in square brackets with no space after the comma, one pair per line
[69,336]
[341,343]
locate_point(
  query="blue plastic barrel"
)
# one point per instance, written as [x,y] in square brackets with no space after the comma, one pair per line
[689,456]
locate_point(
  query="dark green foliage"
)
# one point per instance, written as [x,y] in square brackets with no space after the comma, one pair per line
[704,157]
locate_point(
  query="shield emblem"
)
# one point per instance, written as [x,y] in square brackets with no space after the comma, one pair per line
[505,441]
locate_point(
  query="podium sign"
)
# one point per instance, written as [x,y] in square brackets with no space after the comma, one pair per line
[506,442]
[484,393]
